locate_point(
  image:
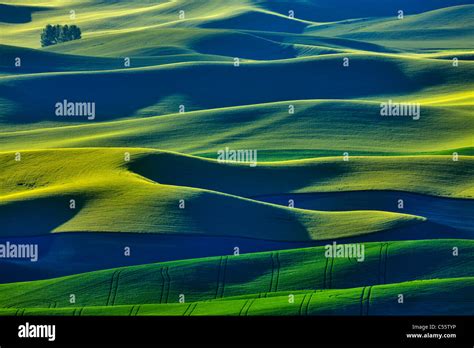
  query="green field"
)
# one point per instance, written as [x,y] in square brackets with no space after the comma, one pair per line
[305,93]
[228,283]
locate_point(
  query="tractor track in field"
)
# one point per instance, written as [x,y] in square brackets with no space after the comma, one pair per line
[169,284]
[110,288]
[275,272]
[277,256]
[330,272]
[368,300]
[221,276]
[301,304]
[131,311]
[365,300]
[382,271]
[362,300]
[307,303]
[162,284]
[113,288]
[218,276]
[136,310]
[248,306]
[244,311]
[325,273]
[187,308]
[241,309]
[165,285]
[190,309]
[77,311]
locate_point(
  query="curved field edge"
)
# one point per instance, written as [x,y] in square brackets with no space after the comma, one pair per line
[257,273]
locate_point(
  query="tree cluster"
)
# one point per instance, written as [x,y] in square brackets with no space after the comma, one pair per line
[54,34]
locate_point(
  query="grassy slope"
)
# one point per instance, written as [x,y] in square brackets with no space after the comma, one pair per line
[269,274]
[36,61]
[453,30]
[441,176]
[431,297]
[161,41]
[419,79]
[127,92]
[345,10]
[316,128]
[53,168]
[248,44]
[98,179]
[98,17]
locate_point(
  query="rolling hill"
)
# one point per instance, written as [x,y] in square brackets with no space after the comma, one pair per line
[123,93]
[352,126]
[93,188]
[302,84]
[222,285]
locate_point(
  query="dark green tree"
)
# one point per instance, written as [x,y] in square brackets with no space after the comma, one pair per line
[75,32]
[64,34]
[56,33]
[47,36]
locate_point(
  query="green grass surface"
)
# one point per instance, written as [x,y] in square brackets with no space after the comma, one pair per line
[124,93]
[318,127]
[98,179]
[453,30]
[266,279]
[422,298]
